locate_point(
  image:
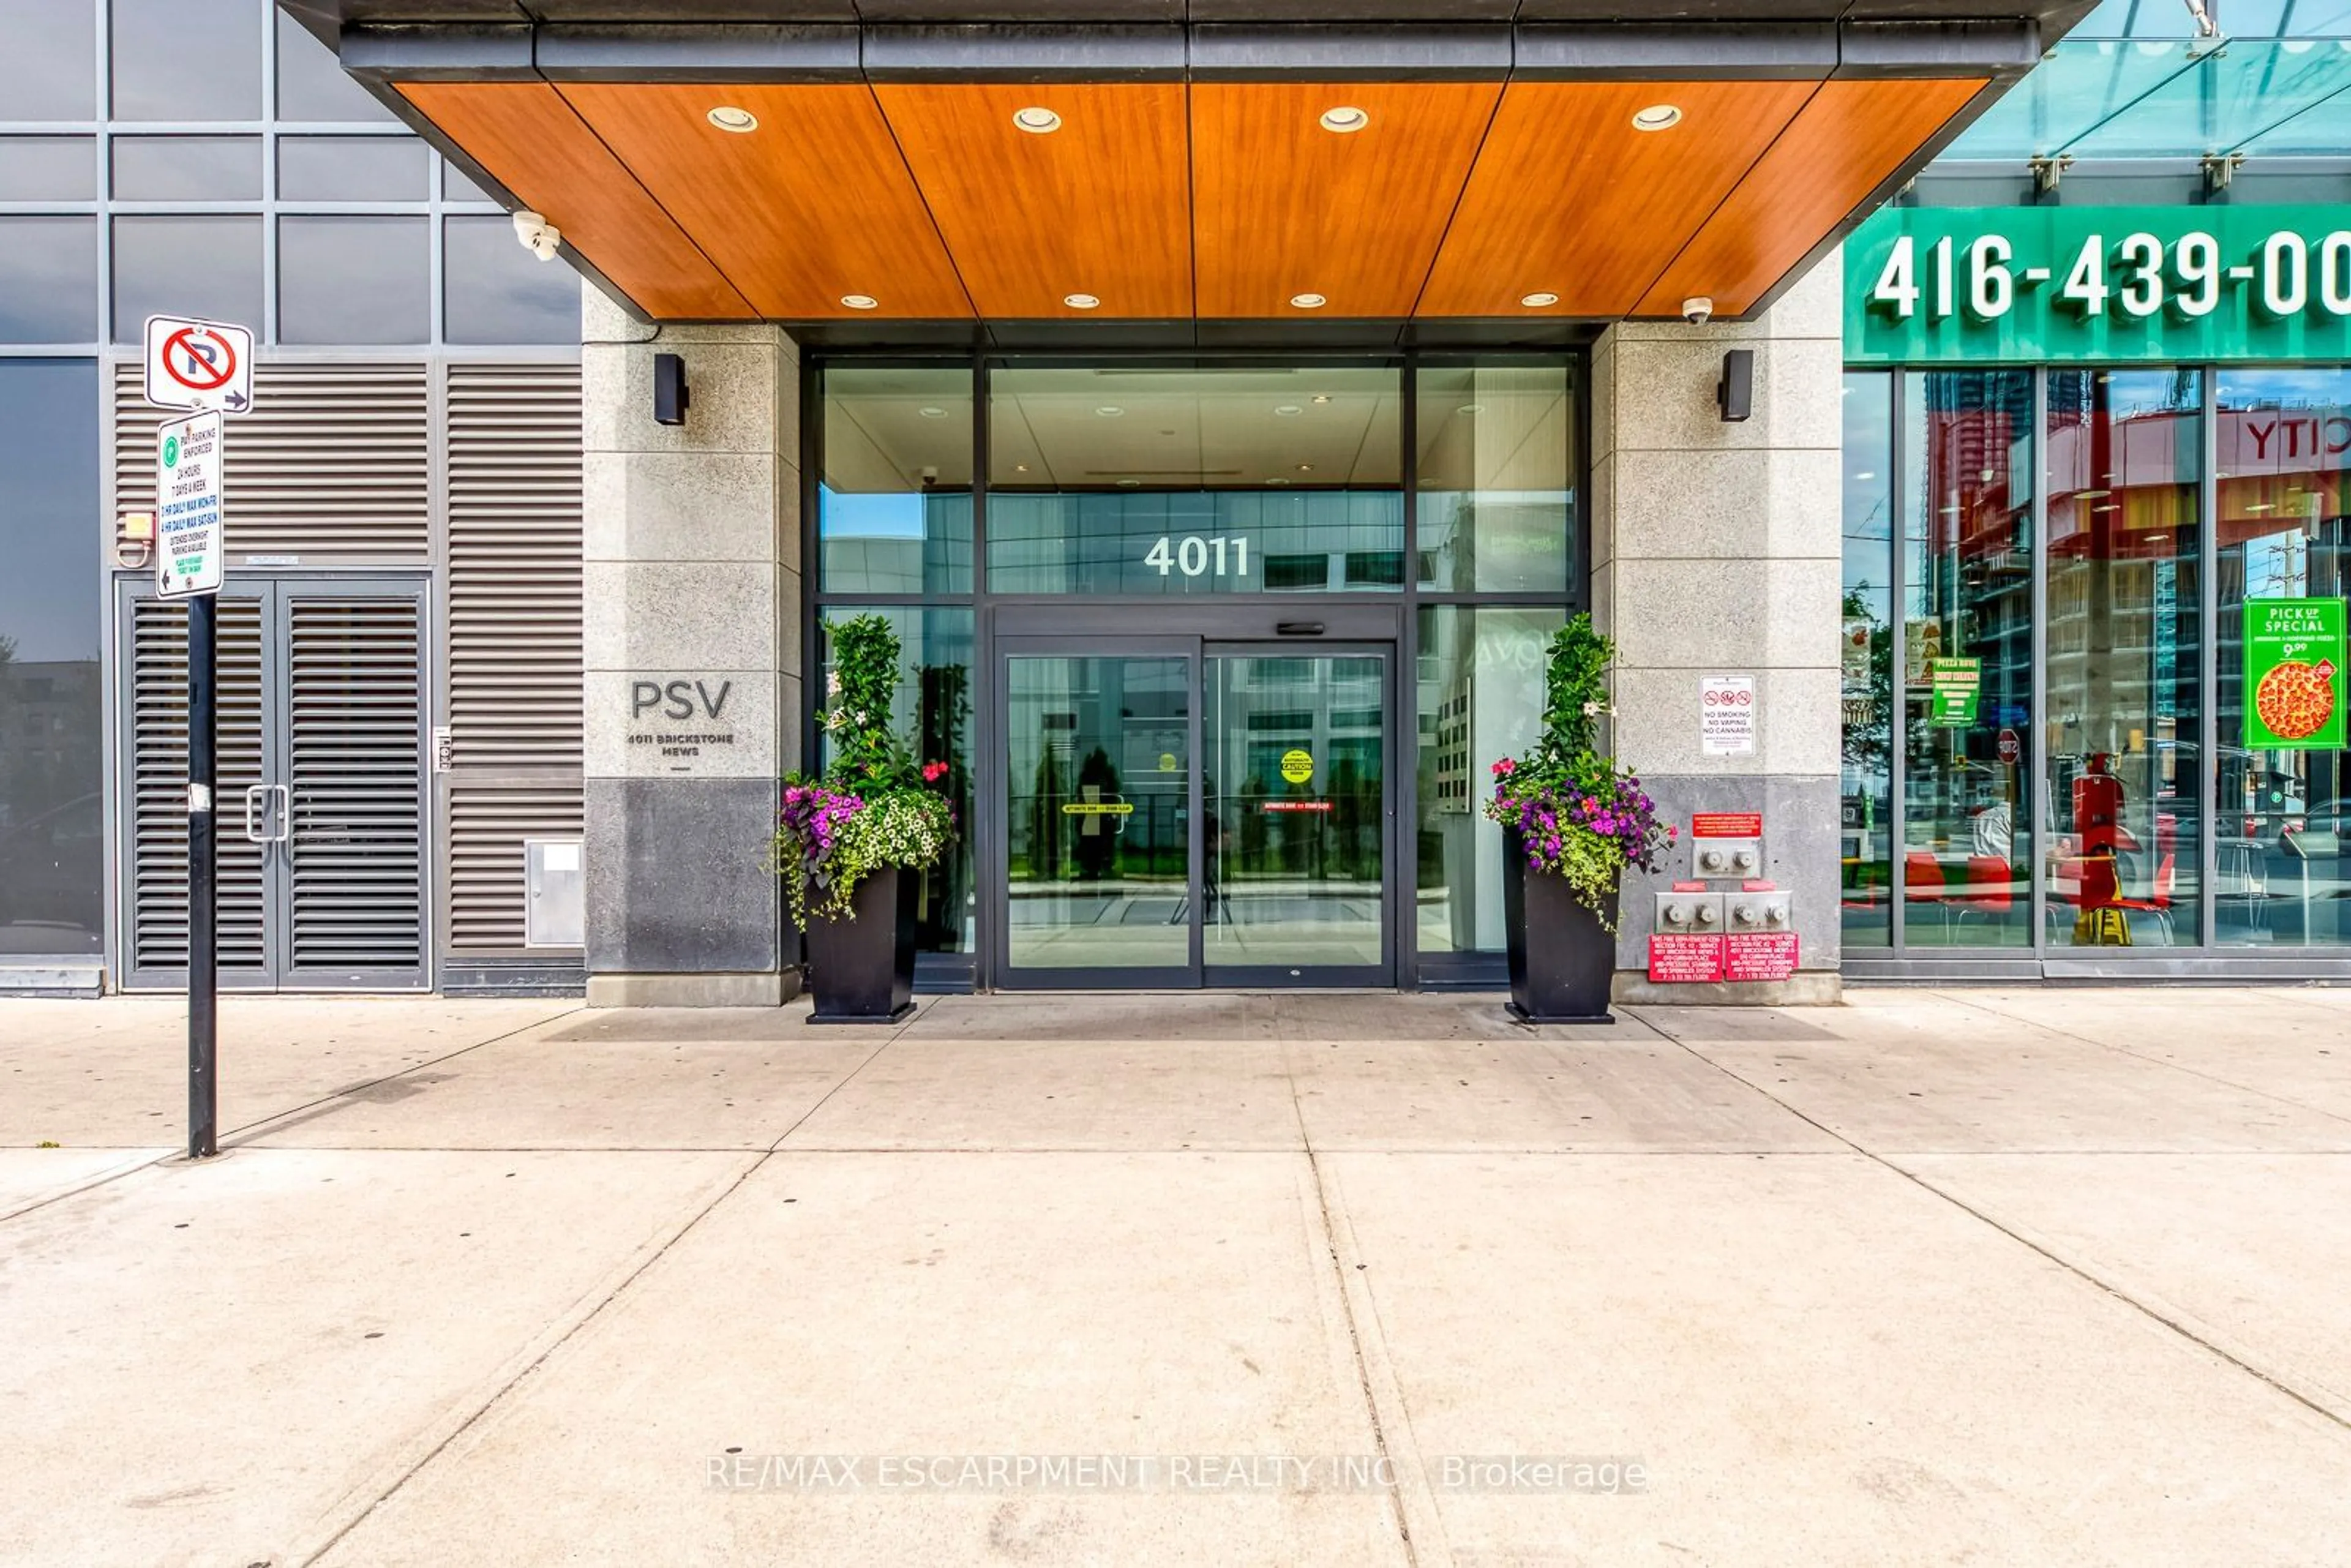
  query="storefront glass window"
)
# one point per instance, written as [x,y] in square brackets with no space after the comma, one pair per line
[52,892]
[187,60]
[893,500]
[1496,477]
[1865,805]
[2124,809]
[1967,658]
[1481,697]
[934,716]
[1174,482]
[50,69]
[2283,815]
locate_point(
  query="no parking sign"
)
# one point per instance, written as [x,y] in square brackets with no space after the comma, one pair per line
[203,366]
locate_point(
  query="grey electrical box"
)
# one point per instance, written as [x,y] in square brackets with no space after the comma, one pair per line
[555,906]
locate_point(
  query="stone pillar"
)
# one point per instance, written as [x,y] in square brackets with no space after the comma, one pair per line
[693,651]
[1718,549]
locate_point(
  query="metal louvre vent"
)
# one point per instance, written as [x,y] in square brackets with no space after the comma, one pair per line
[354,743]
[486,827]
[513,587]
[514,565]
[333,464]
[159,792]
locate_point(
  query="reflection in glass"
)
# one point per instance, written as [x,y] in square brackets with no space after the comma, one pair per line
[1496,477]
[50,69]
[187,167]
[894,501]
[312,84]
[354,280]
[48,272]
[208,266]
[353,168]
[1186,482]
[2283,818]
[2125,458]
[496,292]
[1481,698]
[48,168]
[1865,663]
[187,60]
[51,867]
[1967,658]
[933,716]
[1295,780]
[1097,832]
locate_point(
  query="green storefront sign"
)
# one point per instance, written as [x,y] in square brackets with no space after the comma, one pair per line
[1957,685]
[2098,284]
[2294,675]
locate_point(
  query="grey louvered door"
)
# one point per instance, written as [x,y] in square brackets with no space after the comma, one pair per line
[321,793]
[351,860]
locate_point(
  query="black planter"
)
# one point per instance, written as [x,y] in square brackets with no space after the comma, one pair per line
[1562,958]
[862,970]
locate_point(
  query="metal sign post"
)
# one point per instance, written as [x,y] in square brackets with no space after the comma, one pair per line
[206,366]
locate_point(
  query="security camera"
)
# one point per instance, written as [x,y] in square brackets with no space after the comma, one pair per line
[535,234]
[1697,309]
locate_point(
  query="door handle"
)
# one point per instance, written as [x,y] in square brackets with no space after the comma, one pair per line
[251,832]
[285,813]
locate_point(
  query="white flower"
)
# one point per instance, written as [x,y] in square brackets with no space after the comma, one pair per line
[1591,710]
[832,682]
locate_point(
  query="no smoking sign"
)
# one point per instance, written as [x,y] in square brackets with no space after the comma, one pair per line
[203,366]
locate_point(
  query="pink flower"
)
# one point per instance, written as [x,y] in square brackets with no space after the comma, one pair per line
[1505,767]
[934,771]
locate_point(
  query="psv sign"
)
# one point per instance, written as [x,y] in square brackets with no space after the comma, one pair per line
[188,506]
[199,365]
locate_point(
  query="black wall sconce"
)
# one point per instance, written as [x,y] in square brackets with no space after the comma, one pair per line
[670,397]
[1735,393]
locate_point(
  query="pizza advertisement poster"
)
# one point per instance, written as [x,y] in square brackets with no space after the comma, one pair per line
[2294,675]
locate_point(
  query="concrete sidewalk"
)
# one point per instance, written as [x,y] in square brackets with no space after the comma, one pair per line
[2015,1276]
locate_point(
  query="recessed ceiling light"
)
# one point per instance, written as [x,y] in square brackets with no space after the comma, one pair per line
[1537,300]
[1307,302]
[1306,467]
[1657,116]
[1020,468]
[2092,495]
[1322,397]
[1130,484]
[1277,479]
[930,411]
[726,117]
[1288,409]
[1110,411]
[1472,408]
[1080,301]
[861,301]
[1037,119]
[1343,118]
[1866,474]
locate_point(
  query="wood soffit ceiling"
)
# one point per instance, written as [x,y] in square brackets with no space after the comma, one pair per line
[1209,200]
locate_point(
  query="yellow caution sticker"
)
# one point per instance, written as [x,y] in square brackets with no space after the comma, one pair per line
[1298,765]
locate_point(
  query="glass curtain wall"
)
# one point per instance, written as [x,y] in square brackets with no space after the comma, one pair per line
[1966,662]
[2283,813]
[1150,482]
[2124,801]
[2164,809]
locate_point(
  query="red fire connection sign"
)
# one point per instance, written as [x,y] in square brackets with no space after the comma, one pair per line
[1759,954]
[1727,825]
[1685,959]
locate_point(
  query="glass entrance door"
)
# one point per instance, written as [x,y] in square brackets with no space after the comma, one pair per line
[1177,814]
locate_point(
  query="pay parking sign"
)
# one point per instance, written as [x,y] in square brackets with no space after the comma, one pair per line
[188,542]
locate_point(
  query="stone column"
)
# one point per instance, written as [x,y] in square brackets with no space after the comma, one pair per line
[693,651]
[1718,549]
